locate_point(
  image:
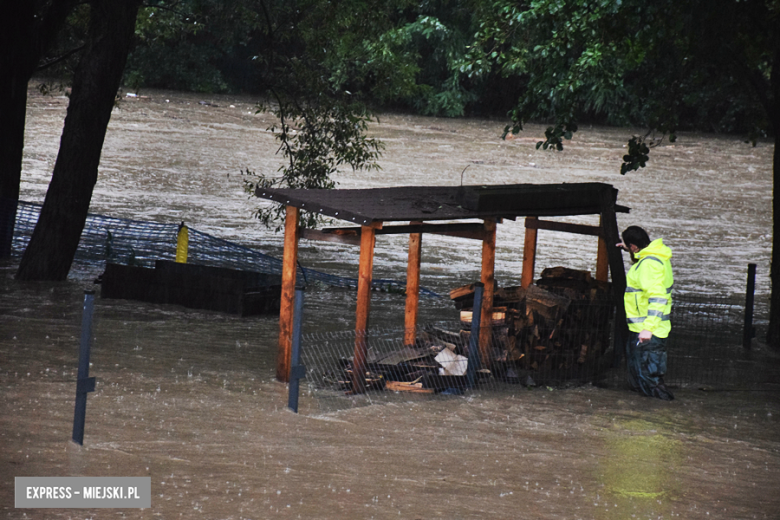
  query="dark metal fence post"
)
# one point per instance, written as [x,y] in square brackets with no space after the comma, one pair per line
[476,314]
[749,332]
[619,345]
[297,371]
[84,383]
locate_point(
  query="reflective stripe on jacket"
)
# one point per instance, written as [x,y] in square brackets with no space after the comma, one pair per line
[648,297]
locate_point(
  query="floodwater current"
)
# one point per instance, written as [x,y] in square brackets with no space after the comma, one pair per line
[188,397]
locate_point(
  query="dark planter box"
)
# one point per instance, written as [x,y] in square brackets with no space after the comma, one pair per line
[220,289]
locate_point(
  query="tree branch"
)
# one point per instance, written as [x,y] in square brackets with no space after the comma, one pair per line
[54,61]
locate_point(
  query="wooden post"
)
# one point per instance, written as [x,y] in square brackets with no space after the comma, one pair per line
[611,234]
[488,279]
[365,276]
[529,255]
[412,287]
[287,304]
[602,258]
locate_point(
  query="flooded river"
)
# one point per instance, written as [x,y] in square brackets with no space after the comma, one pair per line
[188,397]
[169,158]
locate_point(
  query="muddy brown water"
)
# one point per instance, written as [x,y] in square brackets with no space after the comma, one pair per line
[188,397]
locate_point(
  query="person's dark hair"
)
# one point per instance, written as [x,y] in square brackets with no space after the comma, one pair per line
[637,236]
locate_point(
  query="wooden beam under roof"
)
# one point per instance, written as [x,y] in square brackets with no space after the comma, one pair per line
[350,234]
[352,239]
[567,227]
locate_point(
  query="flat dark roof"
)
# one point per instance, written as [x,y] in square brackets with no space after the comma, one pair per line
[410,203]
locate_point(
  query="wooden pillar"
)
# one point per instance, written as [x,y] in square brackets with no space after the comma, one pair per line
[602,257]
[365,276]
[287,306]
[529,254]
[609,228]
[488,279]
[412,287]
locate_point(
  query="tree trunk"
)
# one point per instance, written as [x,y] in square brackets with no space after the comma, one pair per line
[13,107]
[56,237]
[25,34]
[773,334]
[17,63]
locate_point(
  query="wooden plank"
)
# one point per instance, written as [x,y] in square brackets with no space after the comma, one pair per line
[459,292]
[616,266]
[131,283]
[421,227]
[529,253]
[581,198]
[488,279]
[194,286]
[473,231]
[473,235]
[499,316]
[510,294]
[602,259]
[567,227]
[365,276]
[400,386]
[412,288]
[287,303]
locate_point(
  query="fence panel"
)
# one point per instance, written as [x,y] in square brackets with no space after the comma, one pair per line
[705,349]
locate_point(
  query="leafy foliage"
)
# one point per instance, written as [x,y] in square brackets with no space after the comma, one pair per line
[315,139]
[662,65]
[428,52]
[321,125]
[184,44]
[554,136]
[665,66]
[636,157]
[60,60]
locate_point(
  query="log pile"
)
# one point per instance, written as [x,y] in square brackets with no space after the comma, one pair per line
[562,322]
[556,329]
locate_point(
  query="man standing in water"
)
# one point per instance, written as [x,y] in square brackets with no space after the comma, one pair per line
[648,302]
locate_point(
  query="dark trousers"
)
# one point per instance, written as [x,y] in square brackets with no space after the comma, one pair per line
[646,364]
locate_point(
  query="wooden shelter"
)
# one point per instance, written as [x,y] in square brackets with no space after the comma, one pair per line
[417,207]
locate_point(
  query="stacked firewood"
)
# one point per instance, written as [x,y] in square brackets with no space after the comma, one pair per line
[561,322]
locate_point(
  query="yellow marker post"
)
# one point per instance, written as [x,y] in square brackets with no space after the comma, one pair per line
[182,244]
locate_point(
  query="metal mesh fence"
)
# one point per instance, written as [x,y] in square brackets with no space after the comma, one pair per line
[705,350]
[706,345]
[134,242]
[571,349]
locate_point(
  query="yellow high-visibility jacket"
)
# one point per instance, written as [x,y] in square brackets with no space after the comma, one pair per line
[648,297]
